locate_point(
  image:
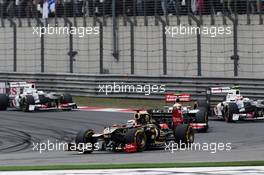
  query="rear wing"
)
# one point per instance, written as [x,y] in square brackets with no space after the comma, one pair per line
[171,97]
[220,91]
[160,115]
[13,88]
[3,88]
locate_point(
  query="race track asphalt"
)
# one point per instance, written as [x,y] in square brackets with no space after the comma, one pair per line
[18,132]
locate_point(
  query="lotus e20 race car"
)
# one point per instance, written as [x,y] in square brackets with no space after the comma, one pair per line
[24,96]
[196,116]
[141,133]
[235,107]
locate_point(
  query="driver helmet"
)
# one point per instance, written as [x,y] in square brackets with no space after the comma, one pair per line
[239,97]
[177,106]
[131,123]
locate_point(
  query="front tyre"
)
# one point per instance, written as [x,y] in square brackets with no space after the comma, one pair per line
[26,101]
[84,137]
[66,98]
[230,109]
[138,137]
[184,134]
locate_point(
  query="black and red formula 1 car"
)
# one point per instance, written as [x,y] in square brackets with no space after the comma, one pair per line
[141,133]
[195,113]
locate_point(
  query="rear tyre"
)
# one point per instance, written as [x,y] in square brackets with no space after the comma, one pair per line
[230,109]
[66,98]
[184,134]
[84,137]
[138,137]
[3,102]
[26,101]
[202,117]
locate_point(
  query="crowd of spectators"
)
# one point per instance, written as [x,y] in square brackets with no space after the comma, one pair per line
[34,8]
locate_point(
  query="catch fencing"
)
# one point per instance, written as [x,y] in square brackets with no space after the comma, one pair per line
[132,39]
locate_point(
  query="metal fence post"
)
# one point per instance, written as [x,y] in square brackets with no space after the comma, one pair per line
[248,16]
[145,13]
[199,52]
[177,12]
[132,49]
[235,55]
[124,13]
[42,47]
[73,12]
[260,11]
[13,24]
[135,12]
[2,15]
[42,51]
[101,51]
[19,15]
[156,12]
[71,53]
[212,13]
[115,32]
[85,5]
[198,34]
[104,15]
[224,13]
[164,45]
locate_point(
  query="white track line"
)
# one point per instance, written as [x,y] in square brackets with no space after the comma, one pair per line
[250,170]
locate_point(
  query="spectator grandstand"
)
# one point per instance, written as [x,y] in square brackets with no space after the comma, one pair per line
[77,8]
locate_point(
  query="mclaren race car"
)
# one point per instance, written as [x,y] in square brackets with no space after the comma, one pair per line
[195,114]
[24,96]
[141,133]
[234,106]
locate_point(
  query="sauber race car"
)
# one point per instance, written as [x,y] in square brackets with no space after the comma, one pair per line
[141,133]
[234,106]
[24,96]
[196,115]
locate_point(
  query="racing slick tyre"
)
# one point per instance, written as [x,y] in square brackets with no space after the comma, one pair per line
[202,117]
[66,98]
[84,137]
[230,109]
[3,102]
[184,134]
[26,101]
[137,136]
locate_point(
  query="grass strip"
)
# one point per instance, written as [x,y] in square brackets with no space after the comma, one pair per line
[132,166]
[121,102]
